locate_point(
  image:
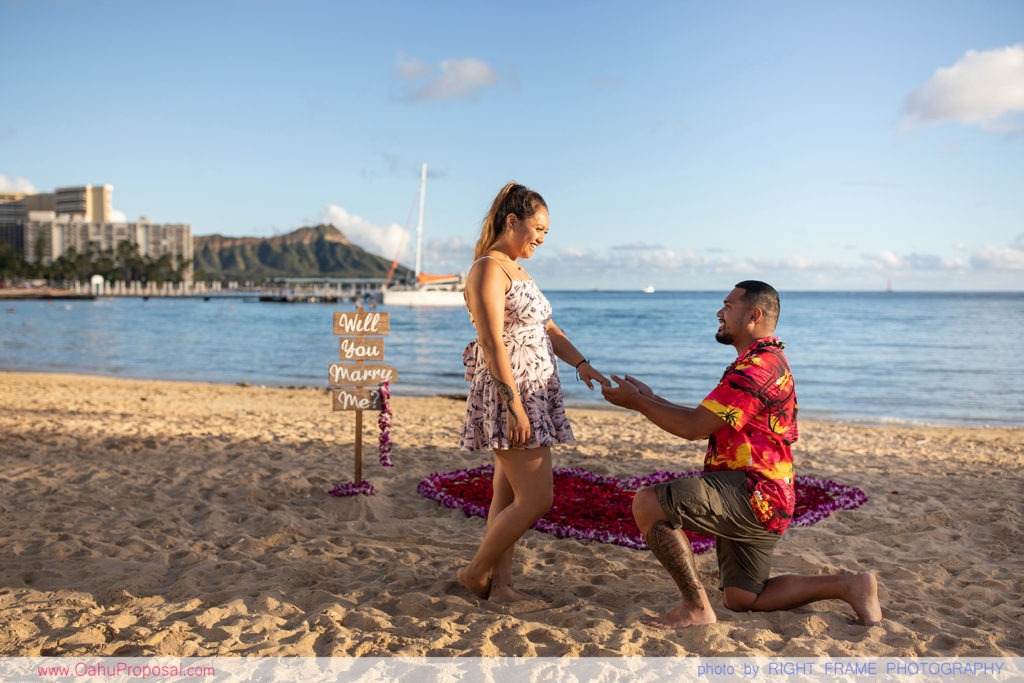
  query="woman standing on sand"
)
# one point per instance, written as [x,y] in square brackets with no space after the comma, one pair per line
[515,404]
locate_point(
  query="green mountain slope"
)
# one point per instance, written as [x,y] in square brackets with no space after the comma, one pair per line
[320,251]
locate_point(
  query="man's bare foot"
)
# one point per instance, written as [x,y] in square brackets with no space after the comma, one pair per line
[509,593]
[864,598]
[681,617]
[479,589]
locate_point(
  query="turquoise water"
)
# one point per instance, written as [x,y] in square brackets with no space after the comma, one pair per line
[934,358]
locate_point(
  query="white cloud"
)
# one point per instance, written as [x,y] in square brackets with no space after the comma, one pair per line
[608,264]
[986,258]
[384,241]
[457,77]
[18,184]
[795,263]
[1008,258]
[442,256]
[638,246]
[982,88]
[887,259]
[118,216]
[410,69]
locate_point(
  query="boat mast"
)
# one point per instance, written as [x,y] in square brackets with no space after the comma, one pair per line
[419,223]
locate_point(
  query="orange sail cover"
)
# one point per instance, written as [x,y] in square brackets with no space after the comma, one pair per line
[426,279]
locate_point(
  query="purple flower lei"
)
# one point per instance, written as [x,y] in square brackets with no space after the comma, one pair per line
[350,488]
[384,423]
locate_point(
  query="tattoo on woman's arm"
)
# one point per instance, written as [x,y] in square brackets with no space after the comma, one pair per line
[507,397]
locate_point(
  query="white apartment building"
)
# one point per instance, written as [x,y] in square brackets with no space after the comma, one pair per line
[46,237]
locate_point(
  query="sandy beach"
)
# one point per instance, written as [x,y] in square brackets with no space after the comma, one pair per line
[160,518]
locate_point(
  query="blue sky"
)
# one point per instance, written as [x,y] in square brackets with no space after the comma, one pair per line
[815,145]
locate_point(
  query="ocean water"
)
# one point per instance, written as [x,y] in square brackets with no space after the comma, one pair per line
[928,358]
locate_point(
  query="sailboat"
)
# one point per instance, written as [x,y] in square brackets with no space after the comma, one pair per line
[428,290]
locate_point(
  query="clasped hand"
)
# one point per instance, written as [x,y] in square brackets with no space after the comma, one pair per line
[627,392]
[590,374]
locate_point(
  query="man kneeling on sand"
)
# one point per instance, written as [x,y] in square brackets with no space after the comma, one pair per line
[745,496]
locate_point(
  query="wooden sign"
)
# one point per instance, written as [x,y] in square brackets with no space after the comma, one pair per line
[355,399]
[362,323]
[359,374]
[360,341]
[360,348]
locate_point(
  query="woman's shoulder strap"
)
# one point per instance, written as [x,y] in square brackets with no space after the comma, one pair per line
[496,261]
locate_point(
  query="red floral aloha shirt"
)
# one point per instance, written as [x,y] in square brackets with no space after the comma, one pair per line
[757,399]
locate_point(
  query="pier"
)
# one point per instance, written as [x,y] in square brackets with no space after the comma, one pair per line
[299,291]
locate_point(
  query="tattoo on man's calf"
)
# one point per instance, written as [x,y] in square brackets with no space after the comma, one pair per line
[673,551]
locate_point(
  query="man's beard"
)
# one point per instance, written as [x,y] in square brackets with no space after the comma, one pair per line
[723,337]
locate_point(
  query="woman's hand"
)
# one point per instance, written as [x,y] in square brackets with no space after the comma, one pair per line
[589,374]
[517,423]
[518,426]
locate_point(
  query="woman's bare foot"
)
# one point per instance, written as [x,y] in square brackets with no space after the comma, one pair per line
[864,598]
[479,589]
[681,617]
[509,593]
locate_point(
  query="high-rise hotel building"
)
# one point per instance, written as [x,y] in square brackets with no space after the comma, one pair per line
[42,227]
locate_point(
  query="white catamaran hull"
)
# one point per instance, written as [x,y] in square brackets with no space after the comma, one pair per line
[423,297]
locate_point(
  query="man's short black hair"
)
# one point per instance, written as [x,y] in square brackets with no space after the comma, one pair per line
[762,295]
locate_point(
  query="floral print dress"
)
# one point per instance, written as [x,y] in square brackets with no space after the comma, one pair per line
[535,369]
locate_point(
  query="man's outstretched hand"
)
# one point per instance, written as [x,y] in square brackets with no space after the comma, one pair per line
[627,393]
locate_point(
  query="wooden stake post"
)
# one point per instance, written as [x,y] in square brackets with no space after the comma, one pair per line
[350,378]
